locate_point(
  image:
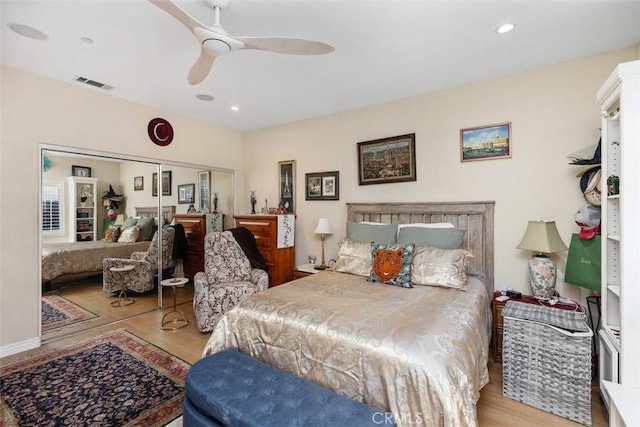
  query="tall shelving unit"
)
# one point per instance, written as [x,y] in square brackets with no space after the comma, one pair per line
[82,211]
[619,336]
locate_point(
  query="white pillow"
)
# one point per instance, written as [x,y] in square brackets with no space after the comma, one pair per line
[440,267]
[428,225]
[129,235]
[354,257]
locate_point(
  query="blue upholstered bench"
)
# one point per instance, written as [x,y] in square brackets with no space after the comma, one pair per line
[230,388]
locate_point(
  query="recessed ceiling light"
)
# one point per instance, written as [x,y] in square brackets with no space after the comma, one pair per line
[204,97]
[27,31]
[86,40]
[505,28]
[235,108]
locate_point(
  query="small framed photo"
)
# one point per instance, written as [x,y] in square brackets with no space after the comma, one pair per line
[186,194]
[323,185]
[387,160]
[485,142]
[138,183]
[166,184]
[82,171]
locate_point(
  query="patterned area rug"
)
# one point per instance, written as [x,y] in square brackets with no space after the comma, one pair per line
[115,379]
[58,312]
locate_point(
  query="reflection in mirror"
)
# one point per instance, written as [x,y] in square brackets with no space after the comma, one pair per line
[90,204]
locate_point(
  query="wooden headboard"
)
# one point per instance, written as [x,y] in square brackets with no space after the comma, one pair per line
[474,217]
[167,213]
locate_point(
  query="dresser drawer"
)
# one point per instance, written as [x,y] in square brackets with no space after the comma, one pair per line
[267,254]
[256,226]
[194,232]
[263,242]
[280,261]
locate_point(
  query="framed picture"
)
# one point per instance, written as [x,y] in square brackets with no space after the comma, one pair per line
[485,142]
[138,183]
[186,194]
[82,171]
[322,186]
[166,184]
[387,160]
[286,179]
[204,189]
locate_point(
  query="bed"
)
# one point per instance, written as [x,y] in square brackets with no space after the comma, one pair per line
[75,259]
[420,353]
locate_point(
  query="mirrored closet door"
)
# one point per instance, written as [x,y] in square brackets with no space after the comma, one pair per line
[102,206]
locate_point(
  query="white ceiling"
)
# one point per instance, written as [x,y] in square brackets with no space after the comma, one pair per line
[384,49]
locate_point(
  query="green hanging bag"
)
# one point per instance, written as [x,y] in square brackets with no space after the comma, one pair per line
[584,263]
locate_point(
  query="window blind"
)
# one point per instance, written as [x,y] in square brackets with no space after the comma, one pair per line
[51,206]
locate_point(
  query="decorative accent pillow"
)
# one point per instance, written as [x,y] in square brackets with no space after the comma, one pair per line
[440,267]
[129,235]
[146,228]
[368,232]
[391,264]
[129,222]
[115,233]
[354,257]
[443,238]
[108,235]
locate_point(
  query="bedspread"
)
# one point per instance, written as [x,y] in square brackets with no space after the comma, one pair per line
[83,257]
[421,353]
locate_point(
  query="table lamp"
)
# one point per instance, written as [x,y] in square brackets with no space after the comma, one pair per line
[542,238]
[323,229]
[119,220]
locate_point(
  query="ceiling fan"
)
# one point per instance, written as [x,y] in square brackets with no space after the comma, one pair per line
[214,40]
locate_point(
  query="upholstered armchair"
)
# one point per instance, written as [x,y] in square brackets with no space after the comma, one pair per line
[227,279]
[140,278]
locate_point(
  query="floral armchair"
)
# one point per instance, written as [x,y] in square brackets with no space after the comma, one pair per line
[227,279]
[140,279]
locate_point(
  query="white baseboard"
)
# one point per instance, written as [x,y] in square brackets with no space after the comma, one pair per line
[20,347]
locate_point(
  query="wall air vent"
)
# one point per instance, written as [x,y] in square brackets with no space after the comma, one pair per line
[92,83]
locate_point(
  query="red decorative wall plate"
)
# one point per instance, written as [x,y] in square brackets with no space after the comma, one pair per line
[160,131]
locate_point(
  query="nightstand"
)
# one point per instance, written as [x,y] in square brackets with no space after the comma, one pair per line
[304,270]
[498,327]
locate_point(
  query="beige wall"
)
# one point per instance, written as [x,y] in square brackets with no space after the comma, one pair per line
[35,111]
[553,112]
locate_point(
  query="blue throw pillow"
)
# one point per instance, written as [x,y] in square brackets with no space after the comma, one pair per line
[443,238]
[146,228]
[378,233]
[391,264]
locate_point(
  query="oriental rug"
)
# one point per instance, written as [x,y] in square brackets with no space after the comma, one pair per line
[114,379]
[58,312]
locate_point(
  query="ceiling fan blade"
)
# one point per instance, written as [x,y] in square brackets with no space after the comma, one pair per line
[201,69]
[286,45]
[168,6]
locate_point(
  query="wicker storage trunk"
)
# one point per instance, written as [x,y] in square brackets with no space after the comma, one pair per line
[546,359]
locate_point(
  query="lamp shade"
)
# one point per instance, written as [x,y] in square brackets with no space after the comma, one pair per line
[119,220]
[323,227]
[542,237]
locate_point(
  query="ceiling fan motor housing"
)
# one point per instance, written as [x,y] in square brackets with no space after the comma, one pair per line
[215,47]
[222,4]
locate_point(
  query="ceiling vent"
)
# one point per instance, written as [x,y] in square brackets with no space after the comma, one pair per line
[93,83]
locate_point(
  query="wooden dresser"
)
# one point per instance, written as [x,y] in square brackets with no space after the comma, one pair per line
[195,229]
[280,262]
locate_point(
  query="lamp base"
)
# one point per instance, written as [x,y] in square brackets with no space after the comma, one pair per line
[542,277]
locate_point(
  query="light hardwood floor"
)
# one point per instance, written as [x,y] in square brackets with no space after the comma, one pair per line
[87,292]
[494,410]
